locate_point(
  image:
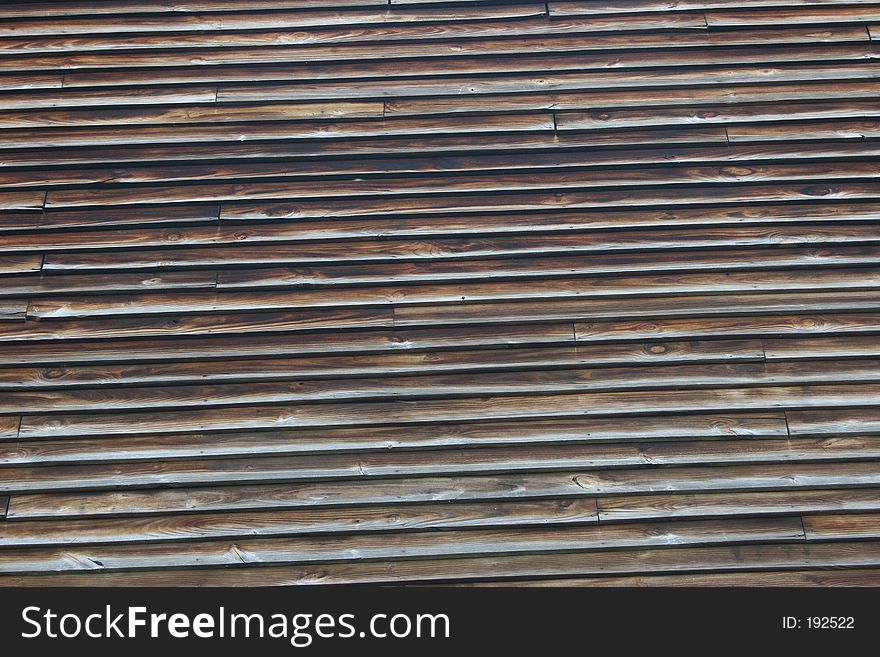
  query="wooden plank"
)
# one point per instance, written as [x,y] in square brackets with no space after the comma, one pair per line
[621,286]
[368,413]
[381,239]
[731,116]
[37,285]
[843,527]
[822,347]
[433,362]
[544,266]
[174,115]
[675,197]
[532,23]
[98,531]
[844,421]
[743,325]
[134,96]
[665,308]
[519,382]
[300,130]
[91,7]
[489,182]
[843,129]
[46,478]
[792,15]
[624,79]
[554,159]
[521,486]
[12,310]
[389,70]
[758,578]
[541,139]
[418,545]
[273,51]
[97,217]
[709,505]
[299,18]
[19,220]
[181,325]
[684,560]
[24,200]
[20,263]
[286,342]
[319,441]
[622,98]
[591,7]
[9,427]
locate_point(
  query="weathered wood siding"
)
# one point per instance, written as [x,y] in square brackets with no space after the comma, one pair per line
[576,292]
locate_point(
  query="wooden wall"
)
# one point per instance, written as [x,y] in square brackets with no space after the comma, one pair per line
[575,292]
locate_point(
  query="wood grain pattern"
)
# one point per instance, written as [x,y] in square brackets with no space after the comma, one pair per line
[454,291]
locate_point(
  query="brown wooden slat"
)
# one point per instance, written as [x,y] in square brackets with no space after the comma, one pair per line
[536,133]
[330,414]
[92,7]
[545,266]
[699,505]
[46,478]
[684,560]
[293,343]
[731,116]
[538,162]
[620,286]
[17,264]
[822,347]
[274,52]
[255,369]
[30,285]
[624,98]
[461,65]
[846,527]
[137,134]
[218,22]
[317,441]
[592,7]
[24,533]
[599,199]
[521,486]
[792,15]
[759,578]
[532,23]
[844,421]
[9,427]
[680,377]
[493,182]
[662,308]
[471,543]
[805,324]
[548,233]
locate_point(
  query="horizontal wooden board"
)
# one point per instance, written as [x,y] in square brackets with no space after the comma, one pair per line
[24,533]
[433,362]
[366,413]
[685,560]
[439,489]
[357,549]
[708,505]
[417,464]
[358,439]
